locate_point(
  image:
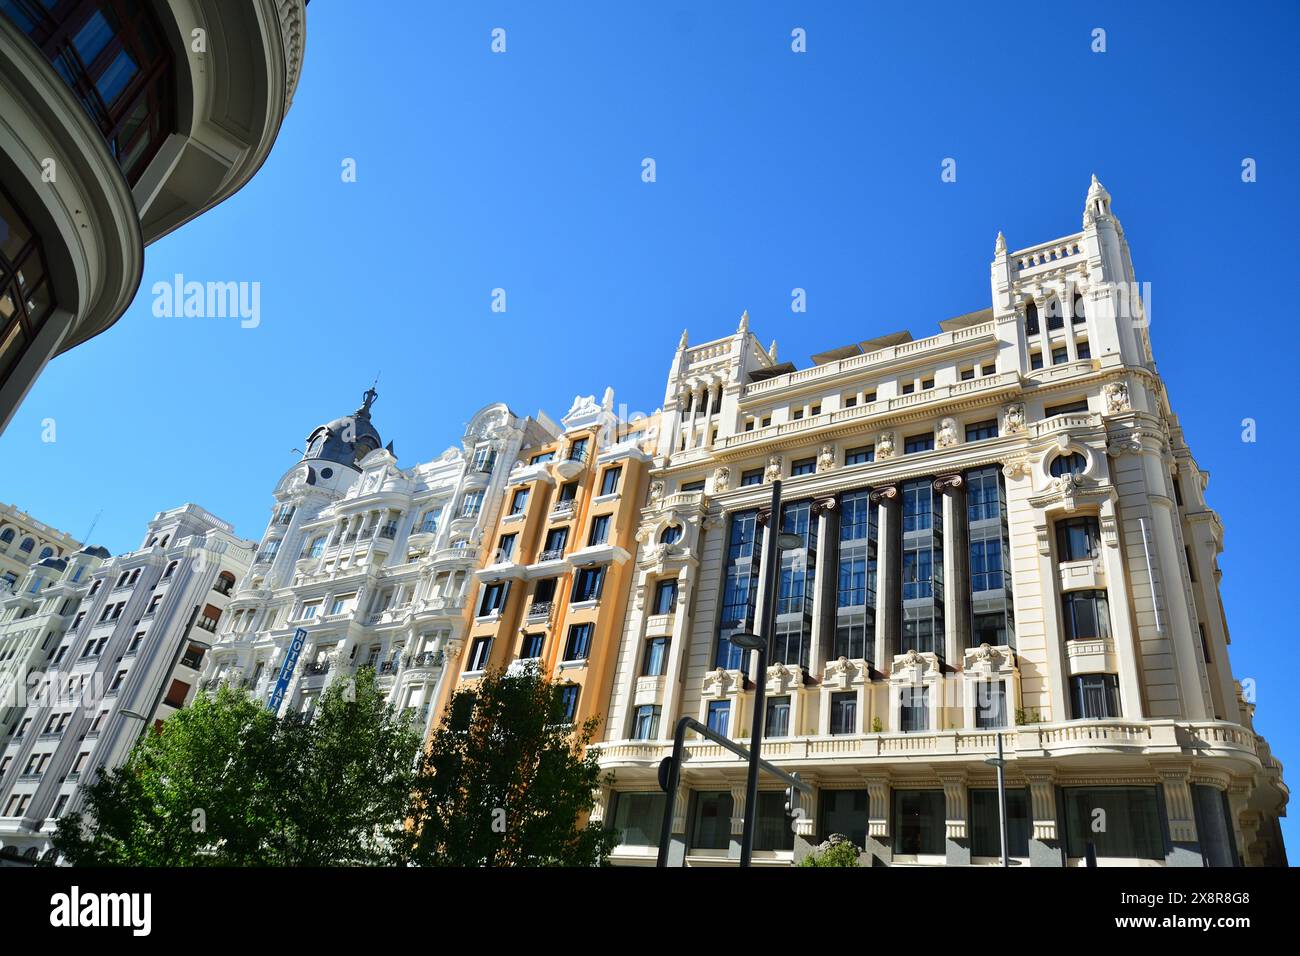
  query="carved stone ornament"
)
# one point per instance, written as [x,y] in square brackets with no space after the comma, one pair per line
[1129,443]
[947,434]
[885,446]
[773,471]
[721,479]
[656,491]
[947,482]
[1013,418]
[1117,399]
[1016,468]
[826,460]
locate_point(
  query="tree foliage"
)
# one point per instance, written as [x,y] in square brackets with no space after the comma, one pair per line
[507,781]
[841,852]
[227,783]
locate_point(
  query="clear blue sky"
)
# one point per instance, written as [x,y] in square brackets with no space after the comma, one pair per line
[775,170]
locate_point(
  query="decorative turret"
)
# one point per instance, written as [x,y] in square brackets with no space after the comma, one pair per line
[348,439]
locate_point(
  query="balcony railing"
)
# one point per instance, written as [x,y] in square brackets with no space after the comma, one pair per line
[564,506]
[207,624]
[554,554]
[316,668]
[425,659]
[223,587]
[386,667]
[388,531]
[540,609]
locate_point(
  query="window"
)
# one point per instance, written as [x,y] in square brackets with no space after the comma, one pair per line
[927,384]
[719,716]
[796,415]
[341,603]
[1082,349]
[471,505]
[992,614]
[712,827]
[1085,614]
[578,646]
[645,725]
[855,598]
[1031,319]
[656,656]
[777,720]
[638,818]
[60,805]
[919,825]
[671,534]
[792,641]
[693,486]
[1094,696]
[914,709]
[1055,314]
[1078,539]
[967,374]
[309,610]
[519,501]
[754,476]
[531,646]
[506,547]
[1071,464]
[804,466]
[1068,408]
[1132,822]
[478,655]
[982,430]
[860,456]
[850,401]
[918,443]
[544,456]
[494,597]
[1059,355]
[485,457]
[909,388]
[773,828]
[991,704]
[1214,826]
[986,823]
[1035,359]
[844,713]
[176,694]
[609,480]
[665,597]
[844,811]
[568,492]
[739,588]
[599,530]
[587,583]
[578,450]
[569,701]
[556,540]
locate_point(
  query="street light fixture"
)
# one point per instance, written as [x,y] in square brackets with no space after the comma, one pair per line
[776,541]
[1000,763]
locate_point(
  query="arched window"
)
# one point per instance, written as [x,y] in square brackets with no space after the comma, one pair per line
[671,534]
[317,547]
[163,542]
[1077,312]
[171,569]
[1055,318]
[1071,464]
[1031,319]
[27,545]
[6,535]
[46,553]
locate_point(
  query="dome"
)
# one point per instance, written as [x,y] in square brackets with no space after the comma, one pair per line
[345,440]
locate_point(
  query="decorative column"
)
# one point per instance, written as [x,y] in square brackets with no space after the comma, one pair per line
[737,819]
[956,837]
[956,567]
[878,845]
[1185,847]
[805,820]
[824,510]
[676,649]
[1130,688]
[888,573]
[1044,844]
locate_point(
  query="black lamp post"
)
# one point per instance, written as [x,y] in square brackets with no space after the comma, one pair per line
[773,544]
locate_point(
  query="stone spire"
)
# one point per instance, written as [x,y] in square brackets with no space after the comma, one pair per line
[771,351]
[1000,246]
[681,343]
[744,323]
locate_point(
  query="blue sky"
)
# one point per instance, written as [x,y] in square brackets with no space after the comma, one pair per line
[775,170]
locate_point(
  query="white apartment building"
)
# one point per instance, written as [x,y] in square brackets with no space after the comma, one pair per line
[96,650]
[373,561]
[1003,533]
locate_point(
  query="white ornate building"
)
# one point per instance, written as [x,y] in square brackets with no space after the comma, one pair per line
[374,561]
[1003,533]
[23,541]
[94,650]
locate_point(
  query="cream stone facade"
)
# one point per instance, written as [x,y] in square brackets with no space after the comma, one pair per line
[120,121]
[94,650]
[24,541]
[375,562]
[1004,533]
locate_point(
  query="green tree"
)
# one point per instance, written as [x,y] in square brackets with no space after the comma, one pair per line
[507,781]
[227,783]
[841,852]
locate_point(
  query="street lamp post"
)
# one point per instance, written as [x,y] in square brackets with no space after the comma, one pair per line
[1001,766]
[773,544]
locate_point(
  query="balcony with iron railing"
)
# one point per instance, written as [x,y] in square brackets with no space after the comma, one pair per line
[424,660]
[540,609]
[316,668]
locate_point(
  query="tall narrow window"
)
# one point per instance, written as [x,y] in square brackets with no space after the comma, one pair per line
[1085,614]
[844,713]
[922,569]
[1077,539]
[855,603]
[777,722]
[990,576]
[719,716]
[739,588]
[792,641]
[1094,697]
[578,647]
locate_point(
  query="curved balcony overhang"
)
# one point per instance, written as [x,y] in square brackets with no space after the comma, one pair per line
[58,169]
[230,102]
